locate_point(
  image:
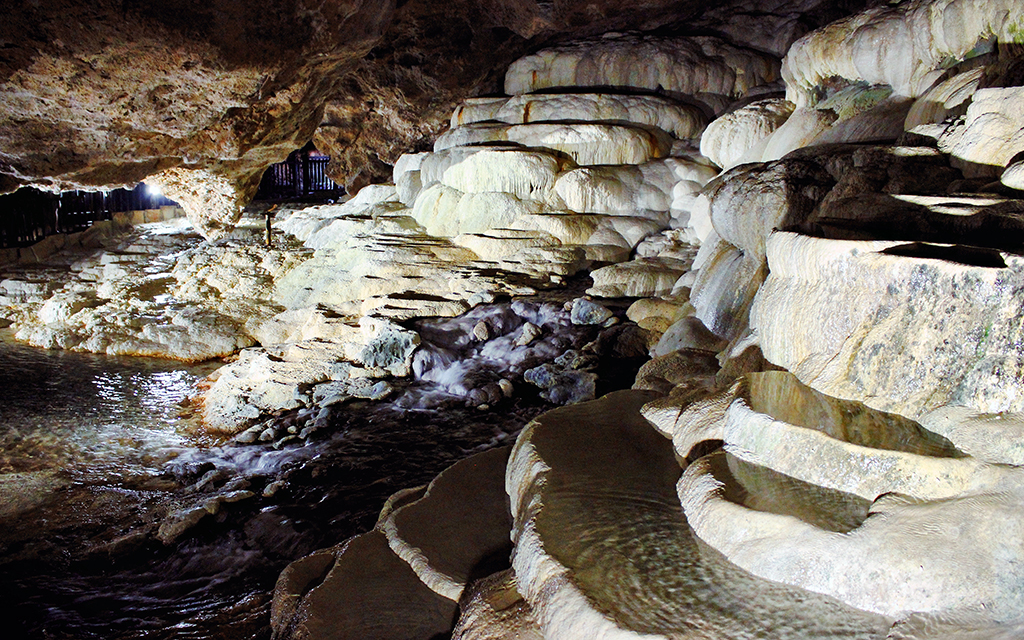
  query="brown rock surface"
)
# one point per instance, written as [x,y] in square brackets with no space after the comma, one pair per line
[106,93]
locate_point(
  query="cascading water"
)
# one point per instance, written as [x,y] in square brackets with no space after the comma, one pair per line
[97,469]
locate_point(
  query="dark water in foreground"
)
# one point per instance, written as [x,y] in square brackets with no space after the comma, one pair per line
[93,456]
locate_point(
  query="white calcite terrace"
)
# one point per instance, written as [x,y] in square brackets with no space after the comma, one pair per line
[645,62]
[681,120]
[902,45]
[575,476]
[904,300]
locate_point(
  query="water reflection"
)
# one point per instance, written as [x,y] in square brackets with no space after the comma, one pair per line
[93,459]
[73,412]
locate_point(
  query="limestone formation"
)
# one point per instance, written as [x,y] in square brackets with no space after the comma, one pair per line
[495,610]
[459,529]
[730,138]
[946,98]
[126,297]
[642,278]
[991,134]
[877,309]
[359,590]
[575,476]
[823,438]
[584,143]
[802,523]
[884,565]
[902,46]
[681,120]
[642,62]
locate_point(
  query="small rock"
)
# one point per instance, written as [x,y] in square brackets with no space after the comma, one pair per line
[273,488]
[506,387]
[389,346]
[476,397]
[285,440]
[178,522]
[250,435]
[209,478]
[236,496]
[268,434]
[529,334]
[494,393]
[585,311]
[237,483]
[378,391]
[577,361]
[329,390]
[562,387]
[212,505]
[481,297]
[481,331]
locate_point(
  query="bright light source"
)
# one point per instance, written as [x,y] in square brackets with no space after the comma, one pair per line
[153,189]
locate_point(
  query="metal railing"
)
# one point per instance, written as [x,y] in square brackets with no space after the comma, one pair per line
[300,175]
[28,215]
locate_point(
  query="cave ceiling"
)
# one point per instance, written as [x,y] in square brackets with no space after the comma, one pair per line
[106,93]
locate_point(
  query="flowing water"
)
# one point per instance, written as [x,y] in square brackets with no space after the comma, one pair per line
[95,456]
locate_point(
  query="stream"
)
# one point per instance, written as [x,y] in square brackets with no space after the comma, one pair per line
[96,453]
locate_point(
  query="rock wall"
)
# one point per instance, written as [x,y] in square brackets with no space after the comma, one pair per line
[105,94]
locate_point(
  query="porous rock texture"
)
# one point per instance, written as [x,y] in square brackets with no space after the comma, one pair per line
[105,94]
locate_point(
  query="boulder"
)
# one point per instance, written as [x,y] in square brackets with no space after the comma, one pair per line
[687,333]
